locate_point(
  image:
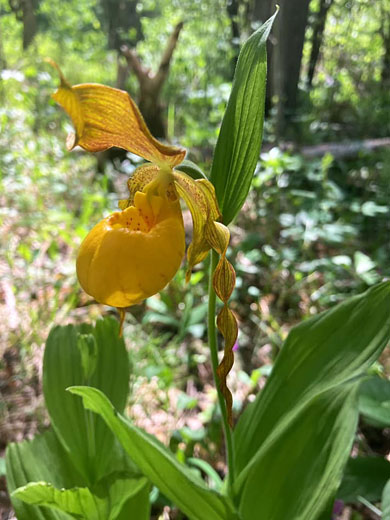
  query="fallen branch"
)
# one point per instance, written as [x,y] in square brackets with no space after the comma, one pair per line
[337,150]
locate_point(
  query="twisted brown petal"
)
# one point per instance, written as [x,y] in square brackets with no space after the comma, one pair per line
[104,117]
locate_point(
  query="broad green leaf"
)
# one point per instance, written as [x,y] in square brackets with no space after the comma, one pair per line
[43,458]
[86,438]
[318,355]
[364,477]
[374,401]
[239,142]
[82,503]
[173,479]
[296,474]
[77,502]
[386,502]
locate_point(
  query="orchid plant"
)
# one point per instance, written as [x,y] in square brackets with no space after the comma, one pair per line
[286,453]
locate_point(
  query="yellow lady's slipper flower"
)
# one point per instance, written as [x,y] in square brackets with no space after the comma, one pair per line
[133,253]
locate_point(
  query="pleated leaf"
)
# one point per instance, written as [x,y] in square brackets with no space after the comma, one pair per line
[239,142]
[173,479]
[82,503]
[386,502]
[121,492]
[319,354]
[87,440]
[296,474]
[45,459]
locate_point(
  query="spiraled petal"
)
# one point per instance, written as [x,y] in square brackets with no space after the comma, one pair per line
[200,198]
[227,325]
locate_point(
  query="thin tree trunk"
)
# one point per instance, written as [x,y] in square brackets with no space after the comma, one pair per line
[122,22]
[29,22]
[25,12]
[318,33]
[290,27]
[150,85]
[232,10]
[385,34]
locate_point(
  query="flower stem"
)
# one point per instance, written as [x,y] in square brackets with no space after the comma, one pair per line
[213,344]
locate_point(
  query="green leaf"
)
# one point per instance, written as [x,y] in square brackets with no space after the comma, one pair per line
[173,479]
[374,401]
[239,142]
[82,503]
[128,498]
[296,474]
[208,470]
[100,361]
[364,477]
[386,502]
[89,354]
[2,466]
[319,354]
[43,458]
[192,169]
[77,502]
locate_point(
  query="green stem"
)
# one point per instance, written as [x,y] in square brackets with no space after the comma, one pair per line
[213,344]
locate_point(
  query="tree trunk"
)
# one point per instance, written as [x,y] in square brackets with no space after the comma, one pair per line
[150,85]
[25,11]
[385,34]
[29,22]
[318,32]
[290,26]
[122,23]
[262,10]
[232,10]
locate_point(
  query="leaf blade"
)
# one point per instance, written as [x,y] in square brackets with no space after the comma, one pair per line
[366,477]
[239,142]
[28,461]
[386,502]
[157,463]
[321,436]
[319,354]
[84,436]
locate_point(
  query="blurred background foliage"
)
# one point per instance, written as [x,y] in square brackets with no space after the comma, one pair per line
[314,230]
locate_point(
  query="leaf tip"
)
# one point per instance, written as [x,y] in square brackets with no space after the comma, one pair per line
[77,390]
